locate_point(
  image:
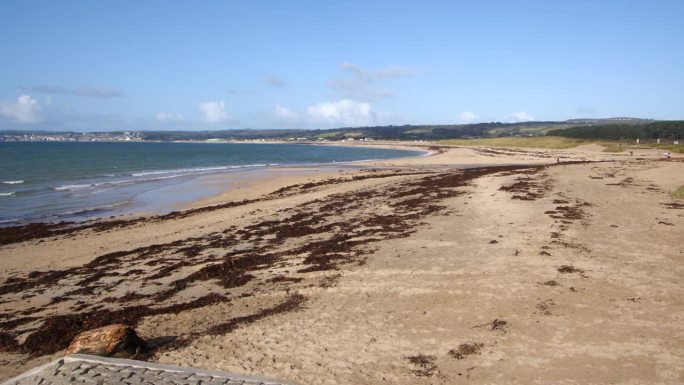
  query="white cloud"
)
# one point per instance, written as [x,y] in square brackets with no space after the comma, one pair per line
[170,117]
[25,110]
[285,114]
[362,84]
[214,112]
[466,117]
[342,113]
[518,117]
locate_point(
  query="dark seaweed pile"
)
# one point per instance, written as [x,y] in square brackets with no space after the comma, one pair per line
[14,234]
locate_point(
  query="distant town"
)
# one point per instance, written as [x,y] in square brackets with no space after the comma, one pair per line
[131,136]
[70,137]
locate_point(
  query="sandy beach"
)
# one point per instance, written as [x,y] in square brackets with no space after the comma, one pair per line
[472,265]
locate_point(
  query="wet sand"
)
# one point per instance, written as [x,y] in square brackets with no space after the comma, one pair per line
[401,271]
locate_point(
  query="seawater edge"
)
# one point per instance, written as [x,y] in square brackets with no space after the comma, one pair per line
[183,191]
[221,187]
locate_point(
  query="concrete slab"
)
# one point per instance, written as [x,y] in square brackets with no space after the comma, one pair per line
[86,369]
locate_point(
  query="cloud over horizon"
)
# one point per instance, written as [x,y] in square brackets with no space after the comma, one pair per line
[519,117]
[466,117]
[343,112]
[25,110]
[285,114]
[214,111]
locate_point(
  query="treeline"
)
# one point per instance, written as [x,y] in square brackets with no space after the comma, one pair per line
[658,130]
[434,132]
[405,132]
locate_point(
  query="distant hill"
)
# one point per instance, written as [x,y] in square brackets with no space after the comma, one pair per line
[619,120]
[603,128]
[405,132]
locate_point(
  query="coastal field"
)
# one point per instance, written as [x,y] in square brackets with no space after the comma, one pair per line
[477,265]
[555,142]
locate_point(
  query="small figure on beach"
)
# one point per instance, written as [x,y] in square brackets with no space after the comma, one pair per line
[631,153]
[558,160]
[667,155]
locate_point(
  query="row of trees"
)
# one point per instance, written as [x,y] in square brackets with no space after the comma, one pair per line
[667,130]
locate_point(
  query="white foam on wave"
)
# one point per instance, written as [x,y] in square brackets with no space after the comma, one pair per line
[74,187]
[122,182]
[89,193]
[7,194]
[155,175]
[177,171]
[12,181]
[130,181]
[186,171]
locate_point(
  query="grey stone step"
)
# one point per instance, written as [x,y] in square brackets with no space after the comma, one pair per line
[86,369]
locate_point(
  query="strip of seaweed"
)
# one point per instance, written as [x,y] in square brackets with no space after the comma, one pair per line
[526,189]
[8,343]
[568,213]
[425,365]
[569,269]
[15,234]
[330,181]
[325,255]
[293,303]
[466,349]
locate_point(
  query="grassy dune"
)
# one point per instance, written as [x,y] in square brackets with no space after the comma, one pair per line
[615,147]
[679,193]
[527,142]
[558,142]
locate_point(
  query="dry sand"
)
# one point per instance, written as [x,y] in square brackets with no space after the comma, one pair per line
[409,271]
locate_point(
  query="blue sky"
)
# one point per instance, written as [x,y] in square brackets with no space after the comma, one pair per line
[162,65]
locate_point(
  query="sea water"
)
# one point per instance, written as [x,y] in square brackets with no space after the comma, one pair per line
[54,181]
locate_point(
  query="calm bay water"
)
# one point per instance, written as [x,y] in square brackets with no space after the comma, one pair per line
[52,181]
